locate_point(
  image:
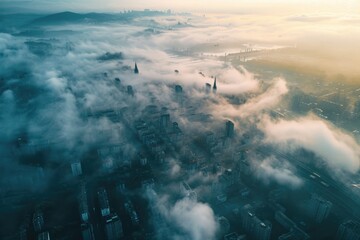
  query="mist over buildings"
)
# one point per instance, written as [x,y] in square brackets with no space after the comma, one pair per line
[70,96]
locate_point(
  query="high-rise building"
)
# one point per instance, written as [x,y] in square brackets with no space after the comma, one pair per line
[44,236]
[247,215]
[214,86]
[38,221]
[23,232]
[148,184]
[228,178]
[87,231]
[179,95]
[262,230]
[104,202]
[165,121]
[349,230]
[294,233]
[257,229]
[131,212]
[83,204]
[229,129]
[187,192]
[113,227]
[319,208]
[178,89]
[130,90]
[284,220]
[207,88]
[76,169]
[143,159]
[232,236]
[136,69]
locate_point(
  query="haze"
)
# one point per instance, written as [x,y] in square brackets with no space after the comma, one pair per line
[179,120]
[320,29]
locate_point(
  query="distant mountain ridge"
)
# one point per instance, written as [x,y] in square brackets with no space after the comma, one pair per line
[72,17]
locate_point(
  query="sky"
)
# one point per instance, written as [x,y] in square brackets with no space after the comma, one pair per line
[207,6]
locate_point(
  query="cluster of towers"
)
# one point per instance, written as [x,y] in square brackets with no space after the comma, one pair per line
[208,87]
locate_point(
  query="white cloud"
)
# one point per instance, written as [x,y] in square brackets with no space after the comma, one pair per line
[337,148]
[195,219]
[272,169]
[186,218]
[266,100]
[254,106]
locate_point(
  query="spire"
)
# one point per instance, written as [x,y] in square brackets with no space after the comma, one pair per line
[214,86]
[136,70]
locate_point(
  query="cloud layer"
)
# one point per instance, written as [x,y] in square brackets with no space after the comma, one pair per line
[339,150]
[186,218]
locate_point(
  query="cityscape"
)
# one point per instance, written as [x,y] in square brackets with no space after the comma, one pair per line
[133,121]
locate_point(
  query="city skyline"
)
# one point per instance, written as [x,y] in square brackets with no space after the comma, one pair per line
[150,122]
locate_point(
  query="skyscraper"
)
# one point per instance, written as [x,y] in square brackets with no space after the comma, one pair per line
[130,90]
[113,227]
[83,204]
[136,70]
[76,168]
[349,230]
[247,215]
[87,232]
[179,94]
[178,89]
[262,230]
[207,88]
[256,228]
[104,202]
[165,121]
[229,129]
[38,221]
[319,208]
[214,86]
[232,236]
[44,236]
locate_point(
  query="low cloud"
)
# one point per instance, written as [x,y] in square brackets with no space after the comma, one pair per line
[272,169]
[266,100]
[255,105]
[186,218]
[338,149]
[233,82]
[195,219]
[311,17]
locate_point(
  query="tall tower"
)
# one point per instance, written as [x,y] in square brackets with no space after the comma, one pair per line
[256,228]
[319,208]
[113,227]
[38,221]
[349,230]
[87,231]
[104,202]
[207,88]
[229,129]
[262,230]
[214,86]
[136,70]
[164,121]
